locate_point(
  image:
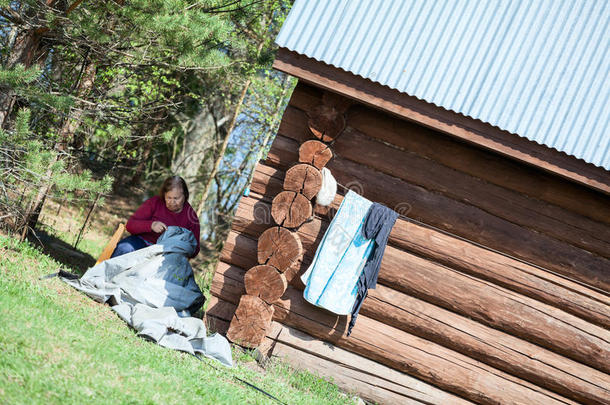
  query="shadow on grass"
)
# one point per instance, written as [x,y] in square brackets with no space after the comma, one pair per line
[61,251]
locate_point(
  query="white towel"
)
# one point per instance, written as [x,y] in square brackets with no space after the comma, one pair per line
[326,195]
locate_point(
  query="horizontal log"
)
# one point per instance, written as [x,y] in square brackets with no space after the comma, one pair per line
[487,303]
[498,349]
[512,206]
[373,381]
[351,372]
[464,157]
[250,322]
[445,249]
[504,203]
[457,125]
[470,222]
[428,361]
[218,315]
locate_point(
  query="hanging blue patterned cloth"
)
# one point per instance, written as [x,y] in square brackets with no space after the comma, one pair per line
[332,278]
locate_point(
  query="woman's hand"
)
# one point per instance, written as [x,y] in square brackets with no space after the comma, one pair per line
[158,227]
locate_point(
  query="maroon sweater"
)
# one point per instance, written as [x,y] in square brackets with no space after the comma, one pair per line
[154,209]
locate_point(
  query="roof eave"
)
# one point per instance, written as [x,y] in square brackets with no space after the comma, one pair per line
[468,129]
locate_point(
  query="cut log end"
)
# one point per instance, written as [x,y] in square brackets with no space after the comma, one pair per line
[315,153]
[250,323]
[290,209]
[340,103]
[304,179]
[265,282]
[279,248]
[326,123]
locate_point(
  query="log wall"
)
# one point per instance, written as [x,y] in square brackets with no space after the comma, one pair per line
[496,290]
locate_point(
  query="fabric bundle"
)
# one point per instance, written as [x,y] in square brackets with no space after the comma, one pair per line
[327,192]
[377,226]
[332,277]
[347,261]
[154,291]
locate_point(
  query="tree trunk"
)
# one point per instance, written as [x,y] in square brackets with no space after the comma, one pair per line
[68,130]
[198,139]
[26,50]
[210,180]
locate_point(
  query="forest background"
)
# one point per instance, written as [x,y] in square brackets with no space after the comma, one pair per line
[106,97]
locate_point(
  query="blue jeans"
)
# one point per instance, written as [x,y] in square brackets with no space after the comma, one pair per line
[130,244]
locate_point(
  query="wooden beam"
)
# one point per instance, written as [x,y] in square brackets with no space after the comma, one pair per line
[251,219]
[456,154]
[357,147]
[423,359]
[503,351]
[465,128]
[482,301]
[465,218]
[373,381]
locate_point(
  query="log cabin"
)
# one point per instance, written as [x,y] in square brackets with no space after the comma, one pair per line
[485,125]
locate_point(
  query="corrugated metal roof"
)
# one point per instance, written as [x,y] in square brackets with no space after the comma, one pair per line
[536,68]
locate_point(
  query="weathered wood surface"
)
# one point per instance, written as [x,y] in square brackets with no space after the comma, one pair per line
[463,157]
[340,103]
[503,351]
[315,153]
[504,203]
[374,381]
[111,245]
[431,362]
[218,315]
[450,251]
[265,282]
[325,122]
[279,247]
[304,179]
[483,301]
[466,220]
[250,322]
[465,128]
[290,209]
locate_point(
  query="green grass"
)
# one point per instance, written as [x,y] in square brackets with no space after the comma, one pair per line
[58,346]
[87,245]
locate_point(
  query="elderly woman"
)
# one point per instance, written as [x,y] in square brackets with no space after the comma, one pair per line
[152,218]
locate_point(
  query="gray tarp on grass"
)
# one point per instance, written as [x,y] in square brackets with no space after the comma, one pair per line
[154,291]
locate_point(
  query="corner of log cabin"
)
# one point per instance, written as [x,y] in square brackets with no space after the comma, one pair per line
[494,287]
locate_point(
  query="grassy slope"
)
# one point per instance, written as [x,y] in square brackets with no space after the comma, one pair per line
[57,345]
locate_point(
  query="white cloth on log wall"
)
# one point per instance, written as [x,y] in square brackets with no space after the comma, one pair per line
[327,192]
[154,291]
[331,279]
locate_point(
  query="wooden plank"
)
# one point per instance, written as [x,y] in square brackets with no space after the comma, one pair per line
[500,350]
[485,302]
[437,118]
[472,223]
[351,372]
[498,201]
[512,206]
[218,315]
[428,361]
[111,245]
[373,381]
[453,252]
[460,156]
